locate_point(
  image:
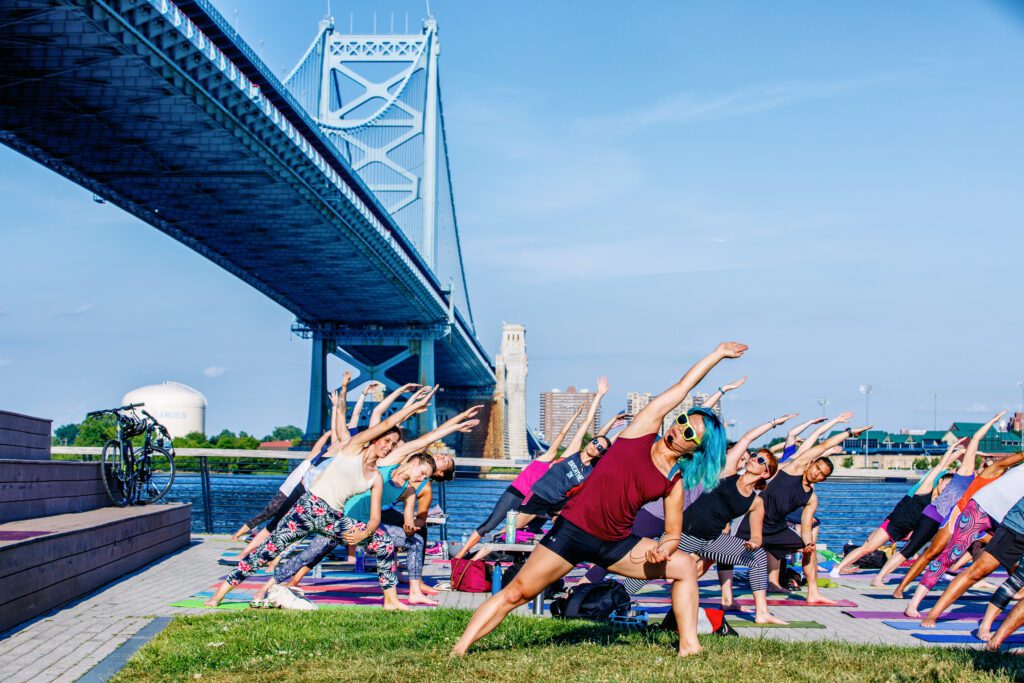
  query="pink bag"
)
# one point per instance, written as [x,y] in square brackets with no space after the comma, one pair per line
[524,536]
[471,576]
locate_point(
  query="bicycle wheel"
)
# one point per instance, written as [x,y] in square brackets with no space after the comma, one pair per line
[156,474]
[118,475]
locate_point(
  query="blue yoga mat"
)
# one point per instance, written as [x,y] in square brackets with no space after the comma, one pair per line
[1017,639]
[941,626]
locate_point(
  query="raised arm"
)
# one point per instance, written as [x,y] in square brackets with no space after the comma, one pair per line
[378,412]
[799,429]
[577,439]
[318,446]
[553,447]
[417,404]
[339,400]
[463,422]
[357,410]
[714,398]
[733,456]
[997,468]
[802,460]
[812,440]
[616,421]
[648,420]
[928,481]
[967,465]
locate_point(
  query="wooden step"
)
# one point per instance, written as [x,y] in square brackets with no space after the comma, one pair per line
[36,488]
[80,552]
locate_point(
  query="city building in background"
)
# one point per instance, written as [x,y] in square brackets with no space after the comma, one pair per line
[178,407]
[556,407]
[637,401]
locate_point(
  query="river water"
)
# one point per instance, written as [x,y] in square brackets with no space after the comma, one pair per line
[849,510]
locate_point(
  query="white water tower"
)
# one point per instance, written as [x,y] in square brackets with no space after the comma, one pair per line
[176,406]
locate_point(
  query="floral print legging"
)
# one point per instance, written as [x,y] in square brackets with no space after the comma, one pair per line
[310,515]
[972,524]
[379,543]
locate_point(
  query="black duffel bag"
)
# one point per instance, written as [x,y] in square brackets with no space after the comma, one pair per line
[594,601]
[876,559]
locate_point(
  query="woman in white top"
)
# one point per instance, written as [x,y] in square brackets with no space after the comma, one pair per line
[352,471]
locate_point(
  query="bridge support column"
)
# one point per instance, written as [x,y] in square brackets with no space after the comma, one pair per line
[423,349]
[318,418]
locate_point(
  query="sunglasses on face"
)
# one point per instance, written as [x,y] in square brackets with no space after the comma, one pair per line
[596,443]
[761,460]
[689,432]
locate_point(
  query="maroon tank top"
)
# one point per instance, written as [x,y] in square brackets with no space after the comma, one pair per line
[607,502]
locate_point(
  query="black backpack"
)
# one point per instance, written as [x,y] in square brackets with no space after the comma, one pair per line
[873,560]
[596,601]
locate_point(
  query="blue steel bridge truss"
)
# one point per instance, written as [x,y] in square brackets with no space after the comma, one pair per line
[161,109]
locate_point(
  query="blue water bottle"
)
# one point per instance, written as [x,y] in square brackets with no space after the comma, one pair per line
[496,578]
[360,559]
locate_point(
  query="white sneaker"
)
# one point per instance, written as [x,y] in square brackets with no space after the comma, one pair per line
[835,572]
[281,597]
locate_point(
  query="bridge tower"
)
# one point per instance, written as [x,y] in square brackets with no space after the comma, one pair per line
[377,98]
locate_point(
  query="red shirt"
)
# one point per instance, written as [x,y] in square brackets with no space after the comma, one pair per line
[607,502]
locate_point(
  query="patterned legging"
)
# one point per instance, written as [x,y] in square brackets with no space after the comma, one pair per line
[379,543]
[1004,594]
[972,523]
[724,550]
[269,511]
[309,515]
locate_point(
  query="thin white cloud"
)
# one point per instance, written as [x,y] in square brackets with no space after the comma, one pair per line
[693,107]
[214,371]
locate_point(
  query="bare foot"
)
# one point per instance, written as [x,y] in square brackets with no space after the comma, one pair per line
[819,600]
[397,606]
[776,588]
[992,646]
[733,607]
[898,594]
[770,619]
[875,583]
[912,613]
[421,600]
[984,634]
[691,650]
[429,590]
[928,622]
[210,603]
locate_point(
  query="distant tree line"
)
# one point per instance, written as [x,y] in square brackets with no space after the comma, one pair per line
[96,431]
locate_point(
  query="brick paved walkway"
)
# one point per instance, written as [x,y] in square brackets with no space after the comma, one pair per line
[64,644]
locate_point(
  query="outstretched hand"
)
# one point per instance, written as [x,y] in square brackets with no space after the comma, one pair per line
[860,430]
[471,413]
[602,385]
[335,397]
[421,399]
[845,417]
[731,349]
[784,418]
[735,385]
[467,426]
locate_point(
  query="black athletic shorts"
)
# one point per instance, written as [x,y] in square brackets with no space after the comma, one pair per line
[1007,546]
[576,546]
[778,544]
[542,508]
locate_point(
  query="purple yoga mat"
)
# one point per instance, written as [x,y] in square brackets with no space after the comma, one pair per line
[20,535]
[949,616]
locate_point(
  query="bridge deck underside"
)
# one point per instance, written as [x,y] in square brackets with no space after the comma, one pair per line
[116,119]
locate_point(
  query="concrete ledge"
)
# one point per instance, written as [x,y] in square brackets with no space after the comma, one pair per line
[81,552]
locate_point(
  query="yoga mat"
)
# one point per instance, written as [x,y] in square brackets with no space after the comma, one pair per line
[741,623]
[948,616]
[790,602]
[944,626]
[197,603]
[1017,639]
[933,598]
[21,535]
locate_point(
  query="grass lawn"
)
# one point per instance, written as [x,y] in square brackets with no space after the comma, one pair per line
[368,644]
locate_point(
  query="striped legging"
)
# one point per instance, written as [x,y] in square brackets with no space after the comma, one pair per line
[724,550]
[971,524]
[1004,594]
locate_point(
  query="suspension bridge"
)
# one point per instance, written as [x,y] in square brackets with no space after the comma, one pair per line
[329,192]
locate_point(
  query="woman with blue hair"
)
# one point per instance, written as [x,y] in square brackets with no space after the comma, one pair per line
[595,526]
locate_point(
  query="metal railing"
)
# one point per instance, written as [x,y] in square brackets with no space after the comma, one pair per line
[195,463]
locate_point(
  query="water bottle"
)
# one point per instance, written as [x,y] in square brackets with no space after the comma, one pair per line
[496,578]
[510,526]
[360,559]
[444,550]
[465,540]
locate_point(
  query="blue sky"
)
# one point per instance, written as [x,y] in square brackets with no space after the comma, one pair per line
[835,184]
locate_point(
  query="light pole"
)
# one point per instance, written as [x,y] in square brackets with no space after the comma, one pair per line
[1020,384]
[823,402]
[935,409]
[866,390]
[729,424]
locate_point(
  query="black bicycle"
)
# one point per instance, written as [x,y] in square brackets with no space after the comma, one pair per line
[136,475]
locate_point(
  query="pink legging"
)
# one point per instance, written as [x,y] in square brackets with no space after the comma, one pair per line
[972,523]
